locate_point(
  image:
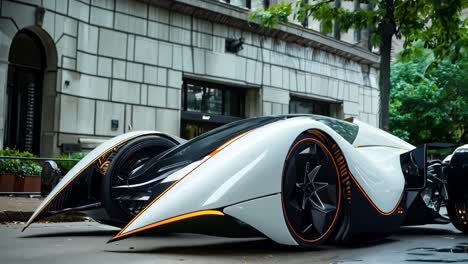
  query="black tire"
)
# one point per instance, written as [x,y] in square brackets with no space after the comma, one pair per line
[311,189]
[457,185]
[128,157]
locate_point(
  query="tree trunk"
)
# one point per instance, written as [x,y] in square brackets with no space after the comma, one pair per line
[386,31]
[384,79]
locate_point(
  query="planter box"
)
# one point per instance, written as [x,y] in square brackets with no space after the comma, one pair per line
[9,182]
[28,184]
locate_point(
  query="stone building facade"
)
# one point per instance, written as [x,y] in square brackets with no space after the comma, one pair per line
[98,68]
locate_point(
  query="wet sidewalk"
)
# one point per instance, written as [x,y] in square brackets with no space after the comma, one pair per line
[20,203]
[20,208]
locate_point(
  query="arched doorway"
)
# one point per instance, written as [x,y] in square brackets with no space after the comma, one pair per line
[32,61]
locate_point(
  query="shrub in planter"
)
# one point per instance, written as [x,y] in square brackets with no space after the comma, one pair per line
[66,164]
[19,175]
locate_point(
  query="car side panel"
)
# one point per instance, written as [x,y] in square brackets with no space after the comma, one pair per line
[248,212]
[251,167]
[371,136]
[87,161]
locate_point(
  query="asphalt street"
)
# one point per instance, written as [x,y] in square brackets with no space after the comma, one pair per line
[85,242]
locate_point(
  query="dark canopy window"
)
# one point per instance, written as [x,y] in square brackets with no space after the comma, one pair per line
[345,129]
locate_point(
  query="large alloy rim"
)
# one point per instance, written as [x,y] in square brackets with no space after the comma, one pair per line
[311,196]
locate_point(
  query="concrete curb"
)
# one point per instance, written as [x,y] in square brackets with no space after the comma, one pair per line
[23,216]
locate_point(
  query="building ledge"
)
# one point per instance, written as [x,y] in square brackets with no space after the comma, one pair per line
[223,13]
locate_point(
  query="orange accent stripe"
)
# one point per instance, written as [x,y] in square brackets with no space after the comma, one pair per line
[121,233]
[374,146]
[152,202]
[76,175]
[171,220]
[372,203]
[341,157]
[345,179]
[214,152]
[317,133]
[338,153]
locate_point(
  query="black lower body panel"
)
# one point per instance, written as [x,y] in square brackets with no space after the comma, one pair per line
[362,221]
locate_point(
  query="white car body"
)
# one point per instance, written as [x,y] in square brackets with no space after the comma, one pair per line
[242,178]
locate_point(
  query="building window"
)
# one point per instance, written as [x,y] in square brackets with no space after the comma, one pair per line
[305,106]
[215,99]
[208,105]
[357,32]
[336,24]
[204,99]
[251,4]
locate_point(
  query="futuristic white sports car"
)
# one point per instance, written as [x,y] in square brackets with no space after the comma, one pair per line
[297,179]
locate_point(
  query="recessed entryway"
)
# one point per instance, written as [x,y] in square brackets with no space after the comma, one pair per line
[30,86]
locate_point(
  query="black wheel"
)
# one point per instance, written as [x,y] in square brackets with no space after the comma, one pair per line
[122,204]
[311,191]
[457,185]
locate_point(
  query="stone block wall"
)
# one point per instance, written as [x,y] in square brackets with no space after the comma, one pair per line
[125,60]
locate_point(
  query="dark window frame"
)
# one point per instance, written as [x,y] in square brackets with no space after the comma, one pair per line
[213,85]
[211,118]
[248,3]
[312,101]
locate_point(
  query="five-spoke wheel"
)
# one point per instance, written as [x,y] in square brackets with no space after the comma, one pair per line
[311,191]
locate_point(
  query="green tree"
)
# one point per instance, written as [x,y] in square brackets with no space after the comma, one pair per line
[436,22]
[429,98]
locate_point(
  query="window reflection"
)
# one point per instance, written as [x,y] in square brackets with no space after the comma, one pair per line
[253,4]
[204,99]
[241,3]
[302,106]
[212,99]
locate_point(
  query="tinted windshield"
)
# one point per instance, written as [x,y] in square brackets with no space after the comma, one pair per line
[202,145]
[345,129]
[162,165]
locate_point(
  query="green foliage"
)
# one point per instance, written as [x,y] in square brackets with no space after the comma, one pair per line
[66,164]
[436,22]
[429,98]
[31,168]
[19,167]
[273,15]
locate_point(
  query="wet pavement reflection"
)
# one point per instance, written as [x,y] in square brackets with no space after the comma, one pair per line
[434,257]
[86,243]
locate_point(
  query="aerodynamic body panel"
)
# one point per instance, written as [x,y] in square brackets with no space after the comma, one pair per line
[251,167]
[87,161]
[248,212]
[369,136]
